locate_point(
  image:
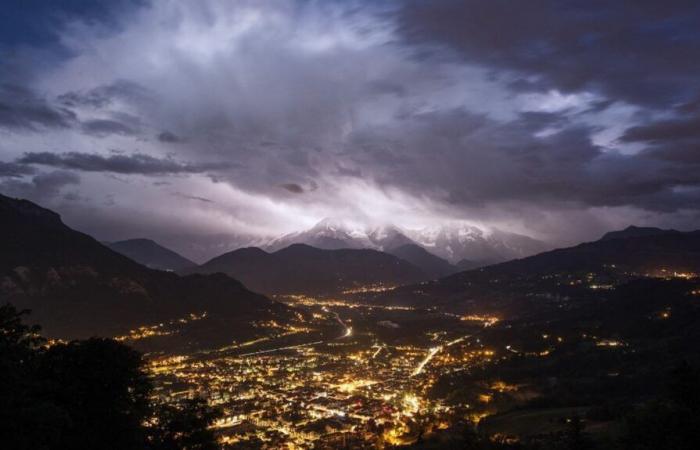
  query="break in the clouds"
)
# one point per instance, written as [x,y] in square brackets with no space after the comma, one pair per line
[217,118]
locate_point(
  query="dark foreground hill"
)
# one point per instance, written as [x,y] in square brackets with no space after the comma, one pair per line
[151,254]
[301,268]
[77,287]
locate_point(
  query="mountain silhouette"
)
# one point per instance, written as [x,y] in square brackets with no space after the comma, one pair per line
[151,254]
[77,287]
[301,268]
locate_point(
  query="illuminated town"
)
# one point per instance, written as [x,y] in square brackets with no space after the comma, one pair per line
[349,372]
[332,380]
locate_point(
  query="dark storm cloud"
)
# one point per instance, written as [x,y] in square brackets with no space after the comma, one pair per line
[20,108]
[680,154]
[136,163]
[674,130]
[643,52]
[473,161]
[50,183]
[293,188]
[168,137]
[192,197]
[674,141]
[41,187]
[105,95]
[15,170]
[104,127]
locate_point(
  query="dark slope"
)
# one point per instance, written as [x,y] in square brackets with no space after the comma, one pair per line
[646,253]
[77,287]
[301,268]
[151,254]
[431,265]
[559,273]
[633,232]
[468,264]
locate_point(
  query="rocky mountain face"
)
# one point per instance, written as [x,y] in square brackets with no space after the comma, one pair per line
[458,241]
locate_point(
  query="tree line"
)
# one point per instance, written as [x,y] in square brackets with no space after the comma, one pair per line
[86,395]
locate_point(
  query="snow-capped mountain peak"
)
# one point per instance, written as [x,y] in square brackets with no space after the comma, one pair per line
[453,241]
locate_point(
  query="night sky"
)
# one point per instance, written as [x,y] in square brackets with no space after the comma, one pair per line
[205,121]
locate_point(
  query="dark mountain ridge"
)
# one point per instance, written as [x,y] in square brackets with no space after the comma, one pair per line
[636,250]
[301,268]
[77,287]
[634,231]
[433,266]
[151,254]
[560,273]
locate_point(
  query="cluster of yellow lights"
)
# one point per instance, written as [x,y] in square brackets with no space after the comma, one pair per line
[686,275]
[668,273]
[51,342]
[485,398]
[502,386]
[305,300]
[351,386]
[159,329]
[487,321]
[610,343]
[411,404]
[385,384]
[601,286]
[369,289]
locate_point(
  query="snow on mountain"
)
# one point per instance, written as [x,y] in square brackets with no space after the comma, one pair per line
[456,241]
[387,237]
[328,234]
[452,241]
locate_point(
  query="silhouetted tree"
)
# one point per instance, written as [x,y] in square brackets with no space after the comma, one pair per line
[102,387]
[87,395]
[27,421]
[184,426]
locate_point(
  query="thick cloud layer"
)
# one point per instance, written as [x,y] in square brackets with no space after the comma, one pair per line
[207,121]
[137,163]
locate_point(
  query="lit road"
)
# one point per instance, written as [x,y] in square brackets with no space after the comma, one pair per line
[434,351]
[379,349]
[348,329]
[289,347]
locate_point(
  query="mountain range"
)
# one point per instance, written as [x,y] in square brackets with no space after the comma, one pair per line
[301,268]
[76,287]
[453,241]
[617,257]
